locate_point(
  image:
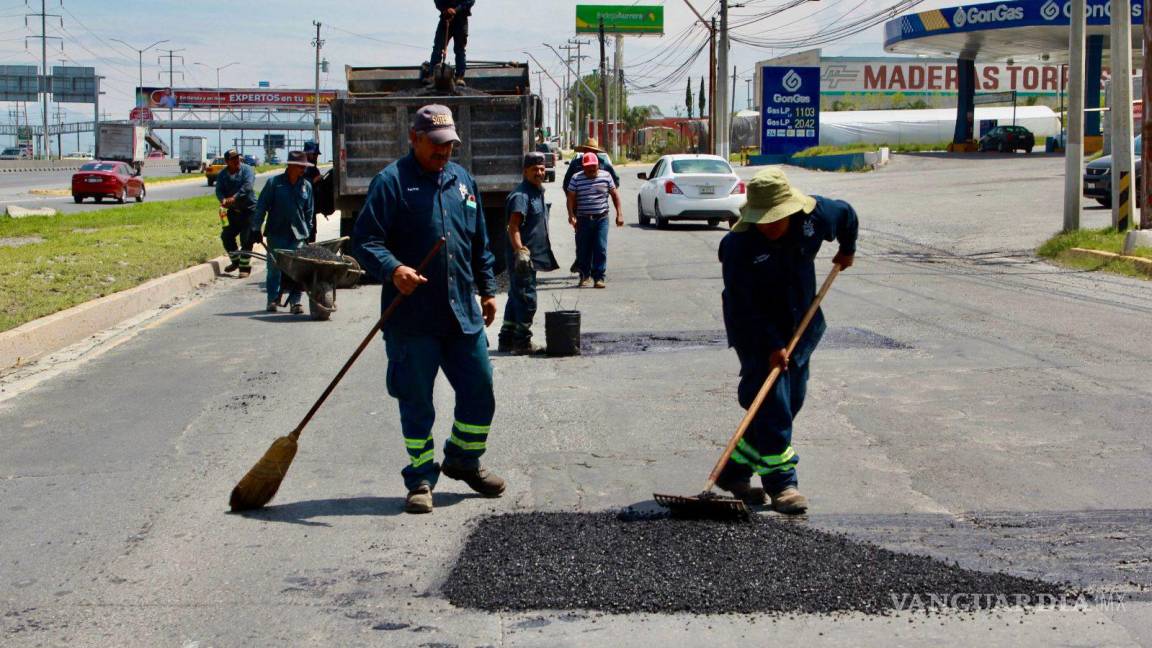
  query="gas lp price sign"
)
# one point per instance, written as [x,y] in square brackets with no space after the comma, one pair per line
[790,109]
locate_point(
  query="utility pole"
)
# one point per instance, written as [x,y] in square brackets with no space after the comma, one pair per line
[1121,102]
[579,80]
[317,43]
[733,91]
[603,81]
[1145,201]
[749,91]
[713,140]
[618,83]
[722,148]
[579,121]
[171,56]
[44,85]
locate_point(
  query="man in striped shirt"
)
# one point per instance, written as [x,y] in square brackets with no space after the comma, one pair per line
[588,195]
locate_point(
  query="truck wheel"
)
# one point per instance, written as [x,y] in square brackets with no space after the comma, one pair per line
[713,222]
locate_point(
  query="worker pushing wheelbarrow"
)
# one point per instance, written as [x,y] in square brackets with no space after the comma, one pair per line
[317,269]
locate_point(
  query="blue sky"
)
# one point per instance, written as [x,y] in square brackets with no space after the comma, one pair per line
[271,39]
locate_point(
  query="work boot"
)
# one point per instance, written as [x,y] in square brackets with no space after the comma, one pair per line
[459,81]
[575,267]
[272,307]
[480,480]
[600,284]
[585,282]
[419,500]
[526,347]
[232,265]
[789,501]
[244,272]
[504,345]
[745,492]
[297,309]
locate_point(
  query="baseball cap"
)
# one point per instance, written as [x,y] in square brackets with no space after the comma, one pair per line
[436,121]
[533,159]
[590,159]
[231,154]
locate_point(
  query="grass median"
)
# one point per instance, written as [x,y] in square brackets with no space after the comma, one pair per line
[55,262]
[1107,239]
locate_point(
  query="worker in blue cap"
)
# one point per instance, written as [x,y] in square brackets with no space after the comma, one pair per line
[414,202]
[768,262]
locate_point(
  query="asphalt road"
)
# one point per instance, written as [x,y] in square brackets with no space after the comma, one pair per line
[970,403]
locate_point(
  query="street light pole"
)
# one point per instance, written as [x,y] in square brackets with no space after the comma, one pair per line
[140,63]
[219,107]
[317,43]
[595,114]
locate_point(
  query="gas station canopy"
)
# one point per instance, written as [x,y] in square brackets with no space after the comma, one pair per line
[1021,29]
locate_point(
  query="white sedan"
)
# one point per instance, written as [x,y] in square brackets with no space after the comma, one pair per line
[690,187]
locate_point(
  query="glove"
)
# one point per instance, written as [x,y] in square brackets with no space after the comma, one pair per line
[523,264]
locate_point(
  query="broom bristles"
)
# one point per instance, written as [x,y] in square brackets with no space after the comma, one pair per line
[259,486]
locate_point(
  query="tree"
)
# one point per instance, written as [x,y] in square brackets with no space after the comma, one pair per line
[688,98]
[703,105]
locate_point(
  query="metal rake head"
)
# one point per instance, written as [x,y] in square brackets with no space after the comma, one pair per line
[705,506]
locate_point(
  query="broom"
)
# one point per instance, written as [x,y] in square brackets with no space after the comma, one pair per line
[259,486]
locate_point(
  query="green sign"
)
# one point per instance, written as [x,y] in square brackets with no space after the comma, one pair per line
[620,19]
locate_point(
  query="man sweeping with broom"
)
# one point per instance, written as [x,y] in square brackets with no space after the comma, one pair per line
[411,205]
[769,284]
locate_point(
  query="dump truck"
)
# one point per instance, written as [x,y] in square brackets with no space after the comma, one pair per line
[496,116]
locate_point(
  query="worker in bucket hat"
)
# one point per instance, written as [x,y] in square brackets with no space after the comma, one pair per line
[287,202]
[769,273]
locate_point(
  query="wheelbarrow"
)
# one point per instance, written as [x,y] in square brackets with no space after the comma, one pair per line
[318,277]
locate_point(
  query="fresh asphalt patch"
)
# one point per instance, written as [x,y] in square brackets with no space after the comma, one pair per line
[632,562]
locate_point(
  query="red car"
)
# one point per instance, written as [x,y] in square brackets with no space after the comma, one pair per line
[107,178]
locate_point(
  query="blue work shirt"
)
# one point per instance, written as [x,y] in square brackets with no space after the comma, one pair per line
[407,210]
[769,285]
[238,186]
[577,165]
[528,200]
[289,208]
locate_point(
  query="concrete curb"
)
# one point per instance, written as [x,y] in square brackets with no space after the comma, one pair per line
[1141,264]
[37,338]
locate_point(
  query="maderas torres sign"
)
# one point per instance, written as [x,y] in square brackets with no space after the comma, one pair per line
[229,98]
[790,109]
[620,19]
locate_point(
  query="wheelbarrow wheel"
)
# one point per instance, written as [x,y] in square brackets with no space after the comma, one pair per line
[322,301]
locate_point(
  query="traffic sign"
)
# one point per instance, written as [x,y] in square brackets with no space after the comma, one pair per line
[141,113]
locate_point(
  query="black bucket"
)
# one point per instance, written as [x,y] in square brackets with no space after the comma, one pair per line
[562,331]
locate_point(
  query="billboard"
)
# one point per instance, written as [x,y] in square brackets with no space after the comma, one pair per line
[790,109]
[71,84]
[932,77]
[229,98]
[630,20]
[19,83]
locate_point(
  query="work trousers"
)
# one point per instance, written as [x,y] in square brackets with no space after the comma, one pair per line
[237,228]
[521,306]
[766,448]
[272,284]
[413,363]
[592,246]
[458,32]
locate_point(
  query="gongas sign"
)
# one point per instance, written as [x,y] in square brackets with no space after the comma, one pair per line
[790,109]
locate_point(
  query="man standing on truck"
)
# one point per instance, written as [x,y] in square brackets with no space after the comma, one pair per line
[453,25]
[236,195]
[287,201]
[528,251]
[413,203]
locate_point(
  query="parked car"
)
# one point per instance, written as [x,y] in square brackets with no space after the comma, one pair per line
[250,160]
[101,178]
[1098,175]
[15,153]
[213,169]
[551,154]
[690,187]
[1008,139]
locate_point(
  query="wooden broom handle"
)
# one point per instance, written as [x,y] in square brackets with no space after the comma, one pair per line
[770,381]
[364,343]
